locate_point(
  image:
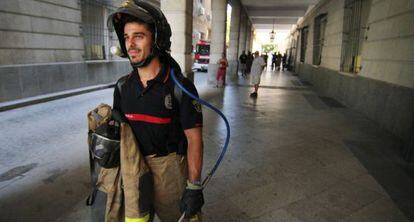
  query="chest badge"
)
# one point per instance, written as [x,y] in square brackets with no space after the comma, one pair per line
[168,101]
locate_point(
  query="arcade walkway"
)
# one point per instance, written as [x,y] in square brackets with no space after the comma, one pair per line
[293,157]
[297,157]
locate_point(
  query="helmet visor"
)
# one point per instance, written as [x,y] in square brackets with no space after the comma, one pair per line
[102,146]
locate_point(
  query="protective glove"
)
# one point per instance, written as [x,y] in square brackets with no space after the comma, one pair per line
[192,200]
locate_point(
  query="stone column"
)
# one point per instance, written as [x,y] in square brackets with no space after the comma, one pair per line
[180,17]
[243,30]
[218,37]
[233,51]
[249,36]
[251,39]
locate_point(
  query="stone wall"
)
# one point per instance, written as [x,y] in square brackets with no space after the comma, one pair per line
[40,31]
[384,88]
[42,49]
[388,52]
[23,81]
[331,53]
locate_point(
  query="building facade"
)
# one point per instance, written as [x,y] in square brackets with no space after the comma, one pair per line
[201,20]
[360,52]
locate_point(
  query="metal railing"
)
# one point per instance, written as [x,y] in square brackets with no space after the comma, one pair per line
[319,37]
[303,42]
[355,16]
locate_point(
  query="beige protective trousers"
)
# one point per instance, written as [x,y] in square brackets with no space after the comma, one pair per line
[170,176]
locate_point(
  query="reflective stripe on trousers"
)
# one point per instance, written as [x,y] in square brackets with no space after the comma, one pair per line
[143,219]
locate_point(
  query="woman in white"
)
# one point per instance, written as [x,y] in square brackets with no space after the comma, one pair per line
[256,72]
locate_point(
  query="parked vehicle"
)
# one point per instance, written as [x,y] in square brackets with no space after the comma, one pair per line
[201,55]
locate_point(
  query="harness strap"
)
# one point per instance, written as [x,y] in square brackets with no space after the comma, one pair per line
[94,177]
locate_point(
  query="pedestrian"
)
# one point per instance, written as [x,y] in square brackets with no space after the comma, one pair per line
[243,59]
[279,60]
[265,57]
[256,72]
[274,60]
[284,60]
[169,132]
[221,72]
[249,62]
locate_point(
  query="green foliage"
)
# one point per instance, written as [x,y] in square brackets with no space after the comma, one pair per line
[266,48]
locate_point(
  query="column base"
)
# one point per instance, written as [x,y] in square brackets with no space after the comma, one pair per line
[189,75]
[232,73]
[212,73]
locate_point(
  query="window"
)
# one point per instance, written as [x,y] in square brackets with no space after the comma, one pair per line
[292,54]
[355,19]
[319,37]
[303,43]
[94,30]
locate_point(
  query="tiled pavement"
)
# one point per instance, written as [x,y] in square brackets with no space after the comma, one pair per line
[294,156]
[297,157]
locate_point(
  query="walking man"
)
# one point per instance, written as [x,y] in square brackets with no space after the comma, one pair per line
[256,72]
[243,60]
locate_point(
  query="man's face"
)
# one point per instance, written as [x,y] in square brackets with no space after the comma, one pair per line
[138,41]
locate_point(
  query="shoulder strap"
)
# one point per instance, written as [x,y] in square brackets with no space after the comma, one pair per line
[120,83]
[178,92]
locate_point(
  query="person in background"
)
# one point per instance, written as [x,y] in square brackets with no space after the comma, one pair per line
[221,72]
[279,60]
[243,59]
[265,57]
[256,72]
[249,62]
[274,60]
[284,60]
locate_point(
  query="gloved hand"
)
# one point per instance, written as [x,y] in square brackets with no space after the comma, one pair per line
[192,200]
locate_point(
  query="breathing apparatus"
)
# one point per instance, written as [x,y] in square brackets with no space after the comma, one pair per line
[161,47]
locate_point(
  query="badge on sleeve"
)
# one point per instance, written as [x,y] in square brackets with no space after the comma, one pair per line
[197,106]
[168,101]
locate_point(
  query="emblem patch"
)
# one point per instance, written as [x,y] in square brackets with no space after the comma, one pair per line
[168,101]
[197,106]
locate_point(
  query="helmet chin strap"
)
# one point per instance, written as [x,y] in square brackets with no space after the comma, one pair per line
[147,60]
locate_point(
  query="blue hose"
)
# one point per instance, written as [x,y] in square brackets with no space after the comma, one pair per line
[226,143]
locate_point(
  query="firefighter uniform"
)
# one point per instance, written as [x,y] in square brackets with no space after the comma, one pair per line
[158,120]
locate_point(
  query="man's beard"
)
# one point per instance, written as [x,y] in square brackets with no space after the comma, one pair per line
[138,54]
[145,59]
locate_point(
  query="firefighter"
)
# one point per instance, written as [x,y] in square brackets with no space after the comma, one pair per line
[169,132]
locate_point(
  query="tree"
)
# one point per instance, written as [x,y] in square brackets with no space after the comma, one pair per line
[266,48]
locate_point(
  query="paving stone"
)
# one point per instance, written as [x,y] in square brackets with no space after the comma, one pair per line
[286,162]
[224,211]
[369,182]
[347,169]
[280,215]
[382,210]
[308,210]
[346,198]
[267,198]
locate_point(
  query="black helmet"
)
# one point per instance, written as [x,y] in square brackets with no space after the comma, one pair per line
[149,14]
